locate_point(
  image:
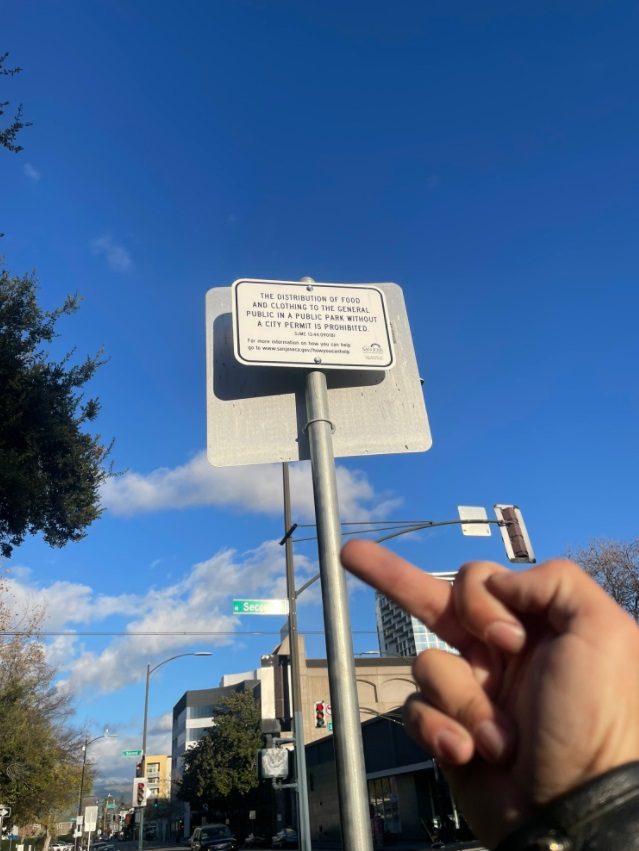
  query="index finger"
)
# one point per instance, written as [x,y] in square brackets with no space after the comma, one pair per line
[457,615]
[422,595]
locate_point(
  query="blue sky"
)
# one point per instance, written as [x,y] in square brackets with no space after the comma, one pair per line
[483,156]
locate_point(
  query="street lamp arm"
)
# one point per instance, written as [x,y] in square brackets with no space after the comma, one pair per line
[104,735]
[151,671]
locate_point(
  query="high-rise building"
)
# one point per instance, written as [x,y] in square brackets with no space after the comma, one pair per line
[401,634]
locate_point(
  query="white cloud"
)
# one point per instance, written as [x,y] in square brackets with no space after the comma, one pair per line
[118,257]
[256,489]
[149,626]
[31,173]
[166,616]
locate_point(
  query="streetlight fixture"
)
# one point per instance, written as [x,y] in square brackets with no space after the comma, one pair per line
[85,746]
[149,673]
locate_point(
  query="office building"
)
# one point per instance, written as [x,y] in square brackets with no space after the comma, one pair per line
[401,634]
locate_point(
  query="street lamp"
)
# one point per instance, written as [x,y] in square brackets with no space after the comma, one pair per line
[85,746]
[149,673]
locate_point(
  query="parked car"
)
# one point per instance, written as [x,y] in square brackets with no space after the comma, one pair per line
[254,840]
[100,845]
[60,846]
[286,838]
[214,837]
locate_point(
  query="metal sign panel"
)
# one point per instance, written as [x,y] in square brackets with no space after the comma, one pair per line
[137,752]
[257,414]
[294,324]
[260,607]
[90,818]
[472,512]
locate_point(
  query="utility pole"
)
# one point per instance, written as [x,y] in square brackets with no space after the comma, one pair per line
[298,722]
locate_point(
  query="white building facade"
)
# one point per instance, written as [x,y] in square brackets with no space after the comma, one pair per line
[401,634]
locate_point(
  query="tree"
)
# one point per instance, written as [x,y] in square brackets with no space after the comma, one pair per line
[51,469]
[615,566]
[9,134]
[40,755]
[219,772]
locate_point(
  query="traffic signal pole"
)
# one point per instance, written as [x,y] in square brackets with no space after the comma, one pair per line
[144,729]
[298,723]
[347,733]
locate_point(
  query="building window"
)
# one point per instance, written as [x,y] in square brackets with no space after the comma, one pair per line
[197,733]
[200,711]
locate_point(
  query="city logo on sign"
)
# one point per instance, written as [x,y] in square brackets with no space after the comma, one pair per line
[373,352]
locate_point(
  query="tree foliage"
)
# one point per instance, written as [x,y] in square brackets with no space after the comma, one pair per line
[9,134]
[51,469]
[220,770]
[615,566]
[40,755]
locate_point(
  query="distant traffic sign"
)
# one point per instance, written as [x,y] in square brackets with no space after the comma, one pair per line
[132,753]
[4,811]
[260,607]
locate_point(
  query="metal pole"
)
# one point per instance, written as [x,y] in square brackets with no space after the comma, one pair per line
[146,717]
[84,762]
[298,722]
[347,732]
[149,671]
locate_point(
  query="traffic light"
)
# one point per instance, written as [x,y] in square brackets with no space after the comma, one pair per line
[320,710]
[514,534]
[140,791]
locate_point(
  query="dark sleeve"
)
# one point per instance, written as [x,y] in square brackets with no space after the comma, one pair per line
[601,815]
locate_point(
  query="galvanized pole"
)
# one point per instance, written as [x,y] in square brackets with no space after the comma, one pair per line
[80,814]
[298,723]
[347,732]
[144,728]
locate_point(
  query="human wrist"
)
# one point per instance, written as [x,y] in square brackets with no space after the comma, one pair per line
[601,813]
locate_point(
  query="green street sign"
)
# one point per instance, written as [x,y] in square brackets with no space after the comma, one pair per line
[132,753]
[260,607]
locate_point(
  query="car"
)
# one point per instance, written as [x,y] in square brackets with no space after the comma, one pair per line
[99,845]
[286,838]
[60,846]
[214,837]
[254,840]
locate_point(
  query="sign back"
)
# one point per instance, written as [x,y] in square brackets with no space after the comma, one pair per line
[256,414]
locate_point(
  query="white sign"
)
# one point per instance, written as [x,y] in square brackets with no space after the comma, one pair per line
[91,818]
[471,512]
[255,414]
[330,326]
